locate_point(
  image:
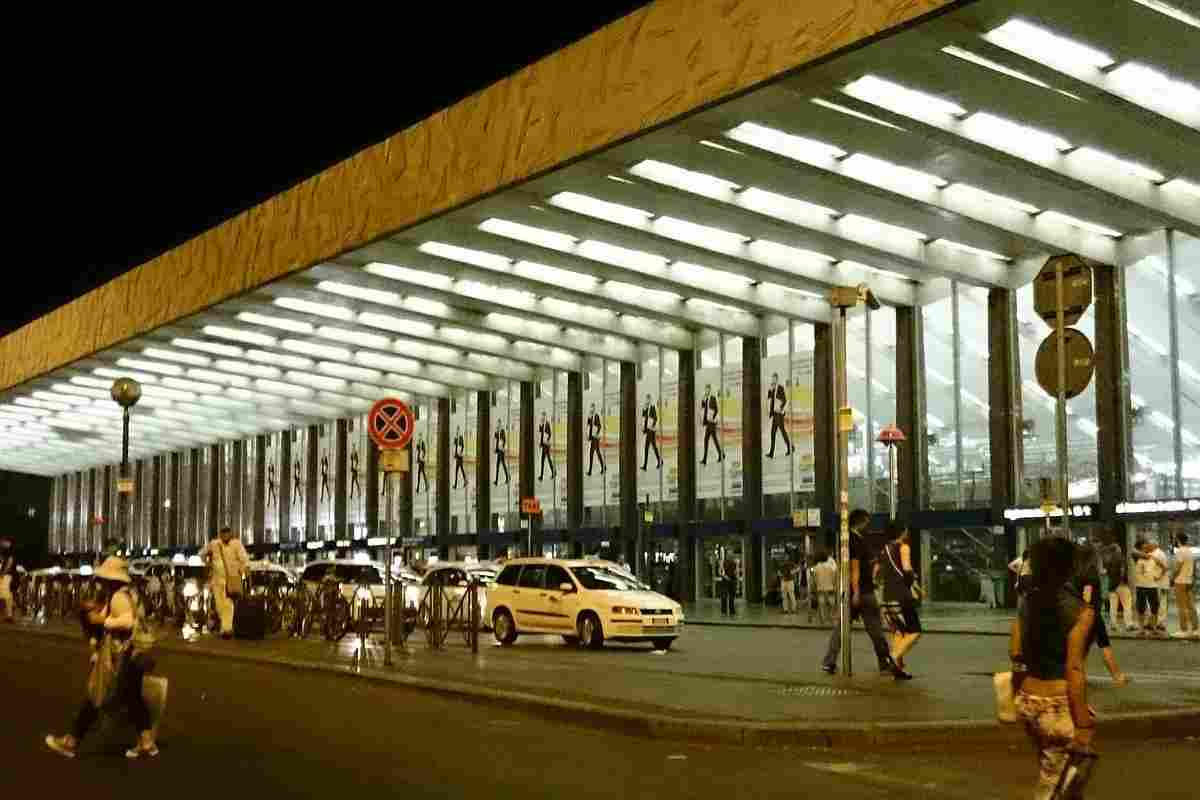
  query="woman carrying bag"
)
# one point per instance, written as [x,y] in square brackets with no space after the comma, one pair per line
[902,591]
[119,663]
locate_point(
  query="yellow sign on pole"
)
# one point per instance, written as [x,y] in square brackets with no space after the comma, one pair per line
[394,460]
[799,519]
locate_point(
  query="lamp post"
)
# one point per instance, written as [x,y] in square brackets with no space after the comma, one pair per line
[126,392]
[843,298]
[891,437]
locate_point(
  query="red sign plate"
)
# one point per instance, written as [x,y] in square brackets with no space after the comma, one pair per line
[390,424]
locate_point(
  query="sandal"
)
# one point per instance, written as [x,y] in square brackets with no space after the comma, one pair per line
[59,745]
[138,751]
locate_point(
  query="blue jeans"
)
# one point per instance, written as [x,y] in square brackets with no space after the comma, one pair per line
[868,609]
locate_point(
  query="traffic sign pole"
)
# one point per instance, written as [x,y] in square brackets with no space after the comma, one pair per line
[1061,397]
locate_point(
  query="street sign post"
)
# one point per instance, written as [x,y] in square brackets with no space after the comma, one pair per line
[390,424]
[891,437]
[1062,292]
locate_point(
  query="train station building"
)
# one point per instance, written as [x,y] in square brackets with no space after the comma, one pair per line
[604,282]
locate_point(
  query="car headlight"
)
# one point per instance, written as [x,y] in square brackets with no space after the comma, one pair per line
[623,610]
[190,589]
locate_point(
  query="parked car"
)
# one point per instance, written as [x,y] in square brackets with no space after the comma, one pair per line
[586,601]
[454,577]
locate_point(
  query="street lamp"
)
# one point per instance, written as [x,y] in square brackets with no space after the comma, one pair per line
[843,298]
[891,437]
[126,392]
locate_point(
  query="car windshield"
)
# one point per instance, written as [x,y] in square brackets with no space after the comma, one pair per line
[357,573]
[484,576]
[605,579]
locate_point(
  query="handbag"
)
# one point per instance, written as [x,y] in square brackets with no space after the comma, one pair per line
[104,680]
[1006,698]
[233,583]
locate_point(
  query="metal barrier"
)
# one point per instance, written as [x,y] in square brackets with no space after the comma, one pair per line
[437,613]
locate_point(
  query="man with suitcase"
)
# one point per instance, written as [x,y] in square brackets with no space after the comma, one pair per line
[227,561]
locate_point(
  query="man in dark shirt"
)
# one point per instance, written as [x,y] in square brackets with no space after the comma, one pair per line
[709,414]
[421,466]
[650,432]
[460,449]
[777,410]
[595,428]
[862,601]
[546,437]
[501,440]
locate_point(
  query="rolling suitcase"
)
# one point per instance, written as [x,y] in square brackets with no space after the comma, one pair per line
[250,618]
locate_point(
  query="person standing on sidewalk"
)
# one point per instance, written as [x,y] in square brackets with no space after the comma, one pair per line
[227,561]
[729,588]
[8,575]
[1151,570]
[1048,648]
[1120,596]
[862,602]
[1182,576]
[825,577]
[898,582]
[787,586]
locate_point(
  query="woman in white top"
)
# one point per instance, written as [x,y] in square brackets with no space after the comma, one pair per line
[1184,573]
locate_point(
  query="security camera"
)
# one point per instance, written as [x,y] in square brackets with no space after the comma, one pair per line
[865,295]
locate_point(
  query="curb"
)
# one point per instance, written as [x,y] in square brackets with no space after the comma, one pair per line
[906,736]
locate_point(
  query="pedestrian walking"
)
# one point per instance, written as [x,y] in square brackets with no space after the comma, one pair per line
[1151,568]
[862,602]
[901,588]
[8,576]
[1020,567]
[1120,596]
[228,562]
[729,588]
[787,586]
[826,574]
[1087,576]
[118,670]
[1182,575]
[1048,647]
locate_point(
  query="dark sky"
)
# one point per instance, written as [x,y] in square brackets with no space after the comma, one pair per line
[142,139]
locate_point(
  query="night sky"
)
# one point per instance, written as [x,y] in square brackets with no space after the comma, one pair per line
[137,143]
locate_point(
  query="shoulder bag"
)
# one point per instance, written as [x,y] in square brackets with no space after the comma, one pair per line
[233,582]
[915,589]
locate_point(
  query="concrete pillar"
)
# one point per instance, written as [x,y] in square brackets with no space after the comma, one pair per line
[175,538]
[216,482]
[525,454]
[630,519]
[1114,438]
[574,452]
[910,412]
[443,477]
[685,567]
[825,427]
[1004,398]
[484,452]
[156,501]
[341,527]
[237,488]
[192,526]
[259,489]
[404,485]
[371,482]
[752,485]
[103,496]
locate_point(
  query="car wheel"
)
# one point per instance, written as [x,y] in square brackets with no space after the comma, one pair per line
[573,641]
[663,644]
[503,627]
[591,635]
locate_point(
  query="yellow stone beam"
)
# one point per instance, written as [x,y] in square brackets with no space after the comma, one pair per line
[648,68]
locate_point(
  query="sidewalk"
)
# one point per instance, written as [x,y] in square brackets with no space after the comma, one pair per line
[730,684]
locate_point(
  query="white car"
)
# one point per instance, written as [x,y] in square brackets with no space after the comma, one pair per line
[454,576]
[349,574]
[585,601]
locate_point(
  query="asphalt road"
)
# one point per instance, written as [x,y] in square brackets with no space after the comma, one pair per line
[247,730]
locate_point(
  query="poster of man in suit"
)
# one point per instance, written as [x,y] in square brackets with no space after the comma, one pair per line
[710,419]
[777,401]
[546,443]
[650,432]
[460,452]
[500,445]
[595,430]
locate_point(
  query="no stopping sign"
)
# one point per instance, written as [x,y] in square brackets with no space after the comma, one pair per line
[390,424]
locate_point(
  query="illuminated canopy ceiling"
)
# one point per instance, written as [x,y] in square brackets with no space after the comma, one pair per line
[967,148]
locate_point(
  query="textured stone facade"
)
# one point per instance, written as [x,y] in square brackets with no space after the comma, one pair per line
[657,64]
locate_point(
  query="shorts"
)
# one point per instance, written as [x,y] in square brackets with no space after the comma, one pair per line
[1147,596]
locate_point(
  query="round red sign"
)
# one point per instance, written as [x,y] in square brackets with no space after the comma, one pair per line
[390,424]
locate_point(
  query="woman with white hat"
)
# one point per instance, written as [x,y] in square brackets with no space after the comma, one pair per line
[115,618]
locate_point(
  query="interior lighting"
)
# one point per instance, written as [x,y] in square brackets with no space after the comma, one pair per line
[349,372]
[310,307]
[57,398]
[851,112]
[317,350]
[705,276]
[286,389]
[192,386]
[1162,421]
[783,207]
[389,323]
[316,381]
[254,370]
[1145,83]
[901,99]
[398,273]
[360,338]
[1005,134]
[83,391]
[359,292]
[1181,185]
[875,170]
[275,322]
[688,180]
[1189,438]
[1108,162]
[797,148]
[170,394]
[975,58]
[554,275]
[386,362]
[966,248]
[1058,216]
[150,366]
[1149,342]
[82,380]
[227,350]
[143,377]
[527,233]
[171,355]
[315,409]
[48,404]
[703,235]
[713,145]
[593,207]
[249,337]
[424,306]
[880,229]
[466,255]
[989,198]
[622,256]
[1046,47]
[279,359]
[1171,11]
[616,178]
